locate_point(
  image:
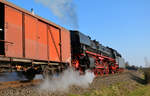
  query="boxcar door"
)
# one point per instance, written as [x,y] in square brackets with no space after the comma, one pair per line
[31,37]
[42,41]
[54,44]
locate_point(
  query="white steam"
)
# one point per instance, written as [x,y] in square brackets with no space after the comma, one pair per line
[63,9]
[67,79]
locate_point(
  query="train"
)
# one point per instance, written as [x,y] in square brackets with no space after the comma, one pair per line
[33,45]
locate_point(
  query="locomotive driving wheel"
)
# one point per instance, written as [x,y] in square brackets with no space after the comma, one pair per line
[99,72]
[106,69]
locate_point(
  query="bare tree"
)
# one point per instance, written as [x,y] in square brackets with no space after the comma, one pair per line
[147,63]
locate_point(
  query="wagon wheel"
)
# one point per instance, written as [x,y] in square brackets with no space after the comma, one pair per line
[29,74]
[99,72]
[47,73]
[95,72]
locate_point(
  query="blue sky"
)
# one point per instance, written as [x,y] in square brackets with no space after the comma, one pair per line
[121,24]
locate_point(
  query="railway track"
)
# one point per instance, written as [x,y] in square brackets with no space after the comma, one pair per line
[37,81]
[24,83]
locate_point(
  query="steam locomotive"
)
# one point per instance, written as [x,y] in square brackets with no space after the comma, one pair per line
[90,54]
[33,45]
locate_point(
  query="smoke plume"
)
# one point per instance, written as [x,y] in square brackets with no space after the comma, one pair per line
[63,9]
[68,78]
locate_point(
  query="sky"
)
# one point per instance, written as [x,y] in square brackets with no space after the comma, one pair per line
[120,24]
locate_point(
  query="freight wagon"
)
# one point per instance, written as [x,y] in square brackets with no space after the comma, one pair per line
[30,43]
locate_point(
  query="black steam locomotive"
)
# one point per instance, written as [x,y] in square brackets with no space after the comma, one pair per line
[90,54]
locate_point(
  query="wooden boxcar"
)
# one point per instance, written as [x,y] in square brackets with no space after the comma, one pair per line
[27,40]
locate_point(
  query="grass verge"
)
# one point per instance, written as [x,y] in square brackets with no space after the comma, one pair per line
[119,89]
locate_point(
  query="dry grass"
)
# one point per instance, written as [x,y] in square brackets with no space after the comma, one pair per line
[134,87]
[118,89]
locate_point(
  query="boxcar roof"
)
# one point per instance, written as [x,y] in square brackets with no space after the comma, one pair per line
[29,13]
